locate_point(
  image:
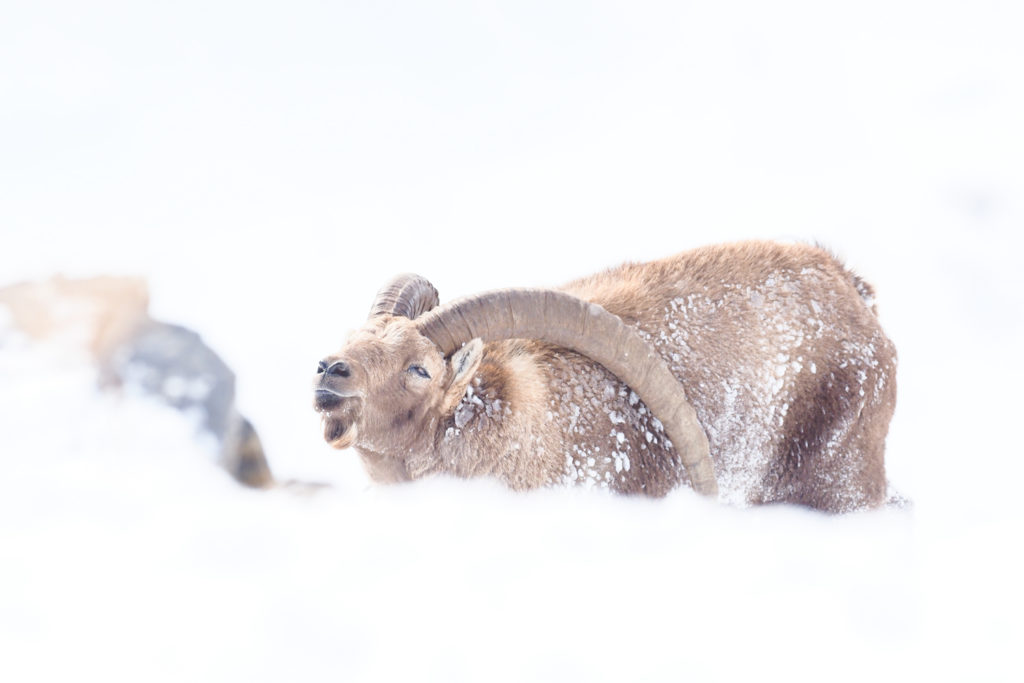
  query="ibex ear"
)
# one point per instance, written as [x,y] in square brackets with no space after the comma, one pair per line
[464,363]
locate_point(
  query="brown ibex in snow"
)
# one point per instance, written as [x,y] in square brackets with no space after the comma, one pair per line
[757,372]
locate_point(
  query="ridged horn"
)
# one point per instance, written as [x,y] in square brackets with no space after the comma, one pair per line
[407,295]
[586,328]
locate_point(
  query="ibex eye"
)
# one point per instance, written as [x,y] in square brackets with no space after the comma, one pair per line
[420,371]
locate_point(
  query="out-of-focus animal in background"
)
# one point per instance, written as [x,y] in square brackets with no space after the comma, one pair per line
[109,318]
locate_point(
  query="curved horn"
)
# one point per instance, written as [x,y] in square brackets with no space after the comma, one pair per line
[406,295]
[586,328]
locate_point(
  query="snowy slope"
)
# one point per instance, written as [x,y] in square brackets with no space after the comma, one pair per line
[268,168]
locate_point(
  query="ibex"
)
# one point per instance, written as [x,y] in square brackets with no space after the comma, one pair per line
[757,372]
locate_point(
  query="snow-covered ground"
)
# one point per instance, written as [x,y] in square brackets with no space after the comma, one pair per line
[268,167]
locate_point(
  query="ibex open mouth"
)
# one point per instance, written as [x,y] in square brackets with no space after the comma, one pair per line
[326,399]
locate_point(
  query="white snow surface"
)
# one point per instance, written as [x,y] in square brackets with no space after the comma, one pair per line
[268,167]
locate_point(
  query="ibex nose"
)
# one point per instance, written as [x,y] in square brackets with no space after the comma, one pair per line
[338,368]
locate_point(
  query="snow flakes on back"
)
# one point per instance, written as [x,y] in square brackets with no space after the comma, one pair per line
[782,357]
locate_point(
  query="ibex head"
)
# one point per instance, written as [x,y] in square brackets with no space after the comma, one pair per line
[389,381]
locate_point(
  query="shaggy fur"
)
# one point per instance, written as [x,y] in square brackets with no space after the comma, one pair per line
[777,346]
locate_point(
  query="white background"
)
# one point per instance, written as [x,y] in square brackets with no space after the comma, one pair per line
[267,166]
